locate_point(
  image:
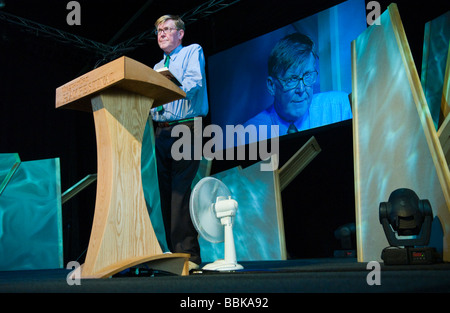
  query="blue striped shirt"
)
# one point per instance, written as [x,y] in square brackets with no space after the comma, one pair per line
[187,64]
[326,108]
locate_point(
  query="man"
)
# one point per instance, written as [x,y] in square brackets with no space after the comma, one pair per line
[187,63]
[292,74]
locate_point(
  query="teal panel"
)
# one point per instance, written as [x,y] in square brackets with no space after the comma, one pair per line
[150,184]
[30,218]
[204,170]
[256,229]
[9,163]
[434,61]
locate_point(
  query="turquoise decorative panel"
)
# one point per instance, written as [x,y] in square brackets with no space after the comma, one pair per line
[434,61]
[150,184]
[258,227]
[30,217]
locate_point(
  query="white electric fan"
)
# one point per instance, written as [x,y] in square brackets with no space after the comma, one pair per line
[212,213]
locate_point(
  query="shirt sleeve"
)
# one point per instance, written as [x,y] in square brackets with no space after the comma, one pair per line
[193,77]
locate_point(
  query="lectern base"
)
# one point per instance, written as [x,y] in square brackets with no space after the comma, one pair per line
[176,263]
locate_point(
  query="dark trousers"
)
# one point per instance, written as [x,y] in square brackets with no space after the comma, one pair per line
[175,179]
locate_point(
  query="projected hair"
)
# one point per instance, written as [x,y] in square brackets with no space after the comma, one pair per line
[178,21]
[292,50]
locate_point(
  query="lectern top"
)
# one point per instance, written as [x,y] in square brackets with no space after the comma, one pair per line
[123,73]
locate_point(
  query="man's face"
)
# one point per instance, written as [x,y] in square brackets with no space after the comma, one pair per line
[292,105]
[168,36]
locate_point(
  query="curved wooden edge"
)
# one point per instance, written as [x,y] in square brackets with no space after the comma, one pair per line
[176,263]
[124,73]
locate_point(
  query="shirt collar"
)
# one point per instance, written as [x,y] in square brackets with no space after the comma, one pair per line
[174,52]
[284,125]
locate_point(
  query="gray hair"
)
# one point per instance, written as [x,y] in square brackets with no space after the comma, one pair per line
[178,21]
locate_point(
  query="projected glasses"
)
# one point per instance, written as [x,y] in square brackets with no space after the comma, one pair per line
[293,81]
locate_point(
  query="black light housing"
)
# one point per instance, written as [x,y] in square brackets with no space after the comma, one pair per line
[406,215]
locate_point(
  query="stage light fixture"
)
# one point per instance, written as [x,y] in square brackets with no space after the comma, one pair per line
[406,222]
[346,234]
[2,4]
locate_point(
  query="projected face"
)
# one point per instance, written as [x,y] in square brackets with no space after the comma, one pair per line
[293,91]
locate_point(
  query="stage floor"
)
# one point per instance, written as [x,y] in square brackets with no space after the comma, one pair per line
[332,275]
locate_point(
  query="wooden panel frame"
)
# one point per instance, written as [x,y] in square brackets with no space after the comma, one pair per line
[298,162]
[444,128]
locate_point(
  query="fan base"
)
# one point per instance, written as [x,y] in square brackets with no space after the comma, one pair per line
[222,265]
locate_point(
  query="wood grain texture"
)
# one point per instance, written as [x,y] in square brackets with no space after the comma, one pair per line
[122,232]
[120,94]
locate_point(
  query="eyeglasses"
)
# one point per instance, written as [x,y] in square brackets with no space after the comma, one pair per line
[165,30]
[292,82]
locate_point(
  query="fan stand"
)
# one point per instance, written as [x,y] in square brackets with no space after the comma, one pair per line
[229,263]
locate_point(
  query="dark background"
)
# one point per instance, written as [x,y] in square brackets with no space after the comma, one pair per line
[33,64]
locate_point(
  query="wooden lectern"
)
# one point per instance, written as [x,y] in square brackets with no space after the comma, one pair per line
[120,94]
